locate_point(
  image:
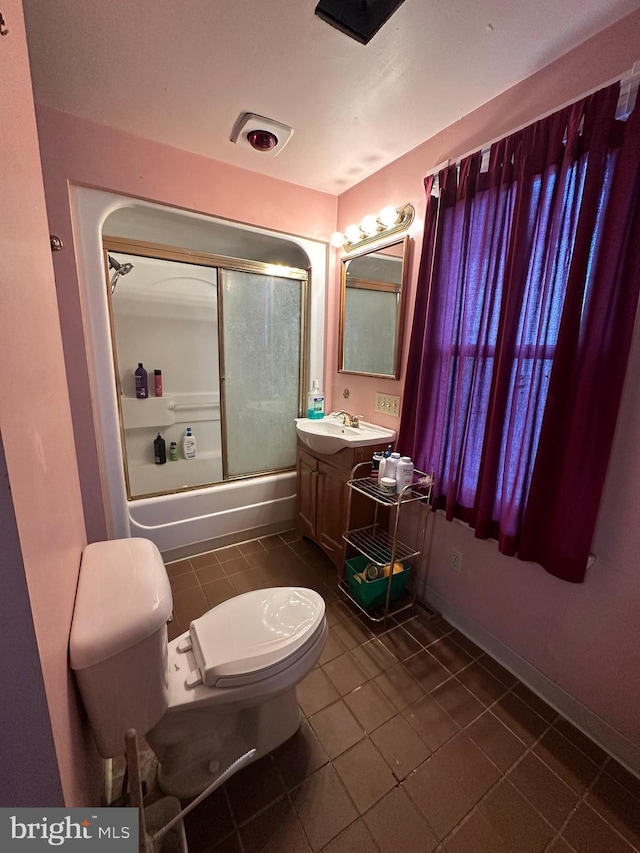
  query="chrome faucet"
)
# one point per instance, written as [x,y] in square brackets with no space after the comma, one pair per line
[348,419]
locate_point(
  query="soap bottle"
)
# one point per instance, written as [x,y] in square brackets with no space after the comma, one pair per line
[189,445]
[157,376]
[315,402]
[160,450]
[173,452]
[142,382]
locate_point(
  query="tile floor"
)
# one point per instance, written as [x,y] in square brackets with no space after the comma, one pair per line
[412,740]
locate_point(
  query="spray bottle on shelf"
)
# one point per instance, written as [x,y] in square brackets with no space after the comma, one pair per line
[189,444]
[315,402]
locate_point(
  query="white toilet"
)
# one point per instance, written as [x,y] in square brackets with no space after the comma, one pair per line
[224,687]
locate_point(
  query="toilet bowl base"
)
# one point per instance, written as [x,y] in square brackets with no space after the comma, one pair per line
[188,766]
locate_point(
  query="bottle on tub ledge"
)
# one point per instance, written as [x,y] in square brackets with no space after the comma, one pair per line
[157,382]
[142,382]
[159,450]
[189,444]
[315,402]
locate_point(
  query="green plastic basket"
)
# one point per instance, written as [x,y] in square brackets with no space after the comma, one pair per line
[370,594]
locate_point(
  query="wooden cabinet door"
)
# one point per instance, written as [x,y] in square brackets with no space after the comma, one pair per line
[331,511]
[307,469]
[322,499]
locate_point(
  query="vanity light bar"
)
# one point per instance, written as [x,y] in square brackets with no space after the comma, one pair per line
[388,221]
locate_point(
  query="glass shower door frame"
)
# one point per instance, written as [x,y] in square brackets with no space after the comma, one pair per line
[219,263]
[268,271]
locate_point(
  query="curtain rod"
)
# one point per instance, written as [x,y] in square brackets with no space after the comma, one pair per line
[629,84]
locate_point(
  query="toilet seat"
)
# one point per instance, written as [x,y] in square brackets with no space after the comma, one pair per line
[253,636]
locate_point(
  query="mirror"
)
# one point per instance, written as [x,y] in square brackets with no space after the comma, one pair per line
[371,310]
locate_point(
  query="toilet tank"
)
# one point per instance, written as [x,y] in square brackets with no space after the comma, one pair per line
[118,643]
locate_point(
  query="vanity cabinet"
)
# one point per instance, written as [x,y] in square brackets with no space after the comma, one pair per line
[322,495]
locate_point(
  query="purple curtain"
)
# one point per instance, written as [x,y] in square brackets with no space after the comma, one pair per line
[526,300]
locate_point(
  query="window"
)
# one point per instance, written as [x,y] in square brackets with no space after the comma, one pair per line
[524,313]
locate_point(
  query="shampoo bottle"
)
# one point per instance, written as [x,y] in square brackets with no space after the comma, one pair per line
[160,450]
[315,402]
[157,378]
[189,445]
[142,382]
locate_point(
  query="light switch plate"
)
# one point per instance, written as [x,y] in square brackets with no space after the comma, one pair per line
[388,404]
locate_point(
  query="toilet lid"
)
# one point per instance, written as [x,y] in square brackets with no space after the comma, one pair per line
[254,631]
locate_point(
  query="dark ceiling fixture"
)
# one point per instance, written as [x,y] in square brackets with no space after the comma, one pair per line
[262,140]
[358,19]
[261,133]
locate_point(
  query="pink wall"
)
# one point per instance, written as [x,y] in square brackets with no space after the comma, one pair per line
[79,152]
[584,638]
[36,422]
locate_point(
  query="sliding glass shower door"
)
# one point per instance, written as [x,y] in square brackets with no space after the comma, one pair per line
[261,357]
[228,341]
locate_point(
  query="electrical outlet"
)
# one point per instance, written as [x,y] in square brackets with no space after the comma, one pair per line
[388,404]
[455,560]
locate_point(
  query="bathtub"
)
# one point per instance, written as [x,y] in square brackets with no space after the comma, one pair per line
[191,522]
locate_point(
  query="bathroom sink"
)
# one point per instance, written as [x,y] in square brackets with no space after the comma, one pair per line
[329,435]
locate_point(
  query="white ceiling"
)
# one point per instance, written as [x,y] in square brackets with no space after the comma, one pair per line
[182,72]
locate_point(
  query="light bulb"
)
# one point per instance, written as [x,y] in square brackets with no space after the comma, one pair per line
[388,216]
[369,225]
[337,239]
[353,234]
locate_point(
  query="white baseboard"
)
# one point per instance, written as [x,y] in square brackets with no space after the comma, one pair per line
[616,744]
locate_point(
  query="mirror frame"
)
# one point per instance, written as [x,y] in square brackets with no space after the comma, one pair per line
[370,250]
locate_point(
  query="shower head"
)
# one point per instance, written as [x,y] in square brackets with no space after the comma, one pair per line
[120,269]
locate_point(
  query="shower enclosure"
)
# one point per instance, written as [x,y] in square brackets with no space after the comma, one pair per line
[191,518]
[229,338]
